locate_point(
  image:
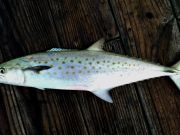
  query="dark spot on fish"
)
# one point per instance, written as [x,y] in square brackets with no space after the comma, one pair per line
[55,73]
[45,62]
[80,71]
[63,62]
[71,60]
[49,73]
[98,62]
[51,65]
[67,72]
[72,67]
[57,58]
[113,63]
[104,61]
[52,59]
[88,71]
[86,59]
[90,63]
[59,67]
[39,62]
[79,62]
[85,67]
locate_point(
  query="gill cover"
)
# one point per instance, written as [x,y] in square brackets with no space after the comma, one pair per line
[14,77]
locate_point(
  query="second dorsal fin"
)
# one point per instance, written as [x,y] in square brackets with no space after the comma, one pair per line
[97,46]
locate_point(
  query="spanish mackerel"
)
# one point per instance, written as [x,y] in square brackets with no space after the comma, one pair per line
[93,70]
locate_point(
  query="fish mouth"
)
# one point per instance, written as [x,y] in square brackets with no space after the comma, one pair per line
[2,76]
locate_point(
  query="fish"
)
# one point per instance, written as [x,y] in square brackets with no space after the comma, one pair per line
[92,69]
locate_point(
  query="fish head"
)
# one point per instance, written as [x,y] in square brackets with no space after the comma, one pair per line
[11,73]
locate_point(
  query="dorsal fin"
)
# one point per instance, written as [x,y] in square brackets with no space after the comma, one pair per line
[57,50]
[97,46]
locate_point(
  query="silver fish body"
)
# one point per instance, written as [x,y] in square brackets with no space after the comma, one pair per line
[86,70]
[93,70]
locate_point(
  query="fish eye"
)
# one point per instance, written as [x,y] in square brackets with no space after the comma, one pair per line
[2,70]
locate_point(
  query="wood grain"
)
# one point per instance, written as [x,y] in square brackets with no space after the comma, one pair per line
[146,29]
[175,4]
[149,29]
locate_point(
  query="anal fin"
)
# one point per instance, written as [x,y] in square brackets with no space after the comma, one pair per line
[104,95]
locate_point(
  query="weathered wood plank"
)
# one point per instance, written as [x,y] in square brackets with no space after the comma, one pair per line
[22,114]
[76,18]
[10,47]
[176,8]
[101,116]
[3,119]
[38,25]
[31,26]
[175,5]
[149,27]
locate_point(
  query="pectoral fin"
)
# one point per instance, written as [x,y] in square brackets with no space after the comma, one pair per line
[104,95]
[37,69]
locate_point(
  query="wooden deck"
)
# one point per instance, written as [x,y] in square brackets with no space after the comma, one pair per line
[147,29]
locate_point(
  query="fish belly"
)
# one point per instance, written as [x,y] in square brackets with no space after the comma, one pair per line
[108,81]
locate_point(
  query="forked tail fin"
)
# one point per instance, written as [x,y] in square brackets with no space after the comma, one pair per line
[176,78]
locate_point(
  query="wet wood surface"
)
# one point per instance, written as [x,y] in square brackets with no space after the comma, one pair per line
[138,28]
